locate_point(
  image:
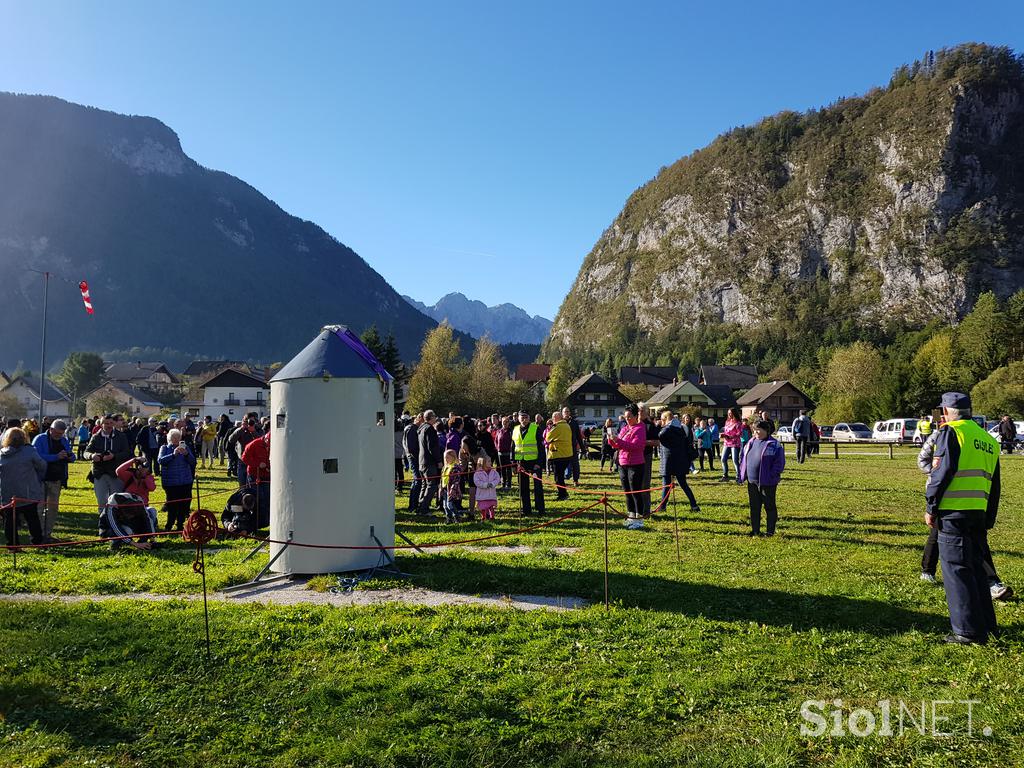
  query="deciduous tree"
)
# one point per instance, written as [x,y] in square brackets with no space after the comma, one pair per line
[439,380]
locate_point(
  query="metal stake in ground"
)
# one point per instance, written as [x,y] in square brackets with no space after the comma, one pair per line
[201,528]
[604,508]
[675,515]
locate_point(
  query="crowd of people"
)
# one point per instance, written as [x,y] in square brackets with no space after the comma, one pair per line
[126,456]
[453,460]
[460,458]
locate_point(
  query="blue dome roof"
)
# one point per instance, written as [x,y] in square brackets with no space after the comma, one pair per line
[337,353]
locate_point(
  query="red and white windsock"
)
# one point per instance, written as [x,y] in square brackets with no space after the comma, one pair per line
[84,288]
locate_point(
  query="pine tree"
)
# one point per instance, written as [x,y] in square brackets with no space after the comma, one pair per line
[371,338]
[391,360]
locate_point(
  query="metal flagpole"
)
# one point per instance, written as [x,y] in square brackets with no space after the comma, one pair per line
[42,355]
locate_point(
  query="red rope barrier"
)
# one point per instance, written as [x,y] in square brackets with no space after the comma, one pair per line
[527,529]
[593,493]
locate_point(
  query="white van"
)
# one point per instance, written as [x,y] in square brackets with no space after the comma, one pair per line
[895,430]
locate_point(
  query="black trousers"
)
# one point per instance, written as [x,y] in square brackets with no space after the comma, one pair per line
[531,467]
[31,514]
[680,478]
[930,558]
[431,479]
[399,474]
[710,453]
[632,478]
[416,486]
[505,460]
[801,449]
[559,467]
[179,500]
[762,495]
[963,574]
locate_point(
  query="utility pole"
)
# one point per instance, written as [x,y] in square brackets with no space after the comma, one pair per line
[42,354]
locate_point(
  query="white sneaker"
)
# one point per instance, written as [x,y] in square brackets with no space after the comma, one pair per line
[1000,591]
[634,523]
[930,578]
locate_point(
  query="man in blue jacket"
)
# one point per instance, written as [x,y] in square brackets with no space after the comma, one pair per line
[55,450]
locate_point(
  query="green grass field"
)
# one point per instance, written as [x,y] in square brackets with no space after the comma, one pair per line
[703,661]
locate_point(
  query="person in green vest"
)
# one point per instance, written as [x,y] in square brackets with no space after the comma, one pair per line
[924,426]
[962,499]
[526,452]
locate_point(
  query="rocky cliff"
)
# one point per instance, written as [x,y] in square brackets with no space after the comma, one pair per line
[891,208]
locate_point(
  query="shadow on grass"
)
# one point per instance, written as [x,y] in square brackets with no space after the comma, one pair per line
[46,708]
[719,603]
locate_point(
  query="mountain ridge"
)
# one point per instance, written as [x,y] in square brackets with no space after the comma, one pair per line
[504,323]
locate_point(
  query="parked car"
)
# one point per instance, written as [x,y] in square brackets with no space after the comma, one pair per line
[895,430]
[826,431]
[1019,425]
[784,434]
[850,431]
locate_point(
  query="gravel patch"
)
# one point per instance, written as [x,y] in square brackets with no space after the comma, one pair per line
[295,593]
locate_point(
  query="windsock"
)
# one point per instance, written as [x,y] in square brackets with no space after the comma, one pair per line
[84,288]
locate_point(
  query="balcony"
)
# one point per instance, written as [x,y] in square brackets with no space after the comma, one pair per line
[257,403]
[232,401]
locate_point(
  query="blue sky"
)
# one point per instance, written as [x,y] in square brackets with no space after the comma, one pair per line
[458,145]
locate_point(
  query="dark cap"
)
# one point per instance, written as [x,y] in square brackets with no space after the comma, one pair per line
[524,413]
[957,400]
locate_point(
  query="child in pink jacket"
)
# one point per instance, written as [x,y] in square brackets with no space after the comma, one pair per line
[486,479]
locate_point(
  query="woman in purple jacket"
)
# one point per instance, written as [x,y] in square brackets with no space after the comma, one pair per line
[761,467]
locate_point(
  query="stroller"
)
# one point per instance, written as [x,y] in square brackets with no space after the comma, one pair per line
[127,514]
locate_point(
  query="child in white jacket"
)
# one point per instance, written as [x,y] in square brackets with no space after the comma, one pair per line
[486,479]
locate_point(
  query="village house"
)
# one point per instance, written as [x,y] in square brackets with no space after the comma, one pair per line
[713,400]
[593,399]
[738,378]
[650,375]
[155,377]
[130,400]
[25,388]
[781,400]
[234,393]
[535,375]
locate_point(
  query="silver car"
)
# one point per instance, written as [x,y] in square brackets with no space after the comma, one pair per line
[851,431]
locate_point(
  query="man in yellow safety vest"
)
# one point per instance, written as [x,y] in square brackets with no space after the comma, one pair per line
[526,450]
[962,499]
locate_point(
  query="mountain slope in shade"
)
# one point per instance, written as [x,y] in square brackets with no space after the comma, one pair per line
[178,256]
[504,323]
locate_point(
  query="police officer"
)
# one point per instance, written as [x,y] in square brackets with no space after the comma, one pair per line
[962,497]
[526,451]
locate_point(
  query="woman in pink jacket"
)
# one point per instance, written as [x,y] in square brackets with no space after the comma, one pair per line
[731,433]
[630,442]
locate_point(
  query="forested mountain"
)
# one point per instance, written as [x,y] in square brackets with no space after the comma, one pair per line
[179,258]
[861,220]
[504,323]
